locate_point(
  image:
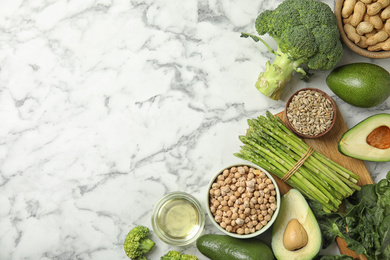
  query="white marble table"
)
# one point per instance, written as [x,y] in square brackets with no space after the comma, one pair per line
[107,105]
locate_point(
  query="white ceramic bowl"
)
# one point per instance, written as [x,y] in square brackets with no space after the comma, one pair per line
[258,232]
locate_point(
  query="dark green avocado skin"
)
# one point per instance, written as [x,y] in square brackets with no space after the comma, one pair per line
[224,247]
[360,84]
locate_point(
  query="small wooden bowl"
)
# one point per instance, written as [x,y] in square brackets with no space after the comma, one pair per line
[291,127]
[351,45]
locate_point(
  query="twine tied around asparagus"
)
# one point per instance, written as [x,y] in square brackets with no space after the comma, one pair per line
[299,163]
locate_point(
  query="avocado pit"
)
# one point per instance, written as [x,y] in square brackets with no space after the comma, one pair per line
[295,236]
[379,137]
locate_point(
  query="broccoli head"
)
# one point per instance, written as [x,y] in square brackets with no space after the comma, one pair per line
[306,33]
[176,255]
[137,243]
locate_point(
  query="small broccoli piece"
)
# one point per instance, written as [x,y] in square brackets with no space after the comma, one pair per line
[306,33]
[176,255]
[137,243]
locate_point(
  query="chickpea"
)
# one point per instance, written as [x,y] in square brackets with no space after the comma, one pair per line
[228,180]
[240,231]
[234,216]
[239,221]
[241,170]
[249,224]
[229,228]
[250,190]
[268,218]
[259,226]
[253,200]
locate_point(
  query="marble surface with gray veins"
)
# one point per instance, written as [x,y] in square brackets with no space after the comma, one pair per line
[107,105]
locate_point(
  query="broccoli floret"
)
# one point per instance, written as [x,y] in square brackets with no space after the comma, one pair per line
[176,255]
[306,33]
[137,243]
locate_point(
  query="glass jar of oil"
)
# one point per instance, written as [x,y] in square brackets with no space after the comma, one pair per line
[178,219]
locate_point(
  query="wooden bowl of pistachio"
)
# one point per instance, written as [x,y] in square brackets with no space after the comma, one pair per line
[310,113]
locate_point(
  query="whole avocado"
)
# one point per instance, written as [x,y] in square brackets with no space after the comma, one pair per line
[224,247]
[360,84]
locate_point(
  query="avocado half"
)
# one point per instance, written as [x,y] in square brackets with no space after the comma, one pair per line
[369,140]
[294,206]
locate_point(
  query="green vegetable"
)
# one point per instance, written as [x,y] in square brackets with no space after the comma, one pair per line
[360,84]
[334,257]
[269,144]
[176,255]
[306,33]
[137,243]
[223,247]
[293,206]
[367,218]
[369,140]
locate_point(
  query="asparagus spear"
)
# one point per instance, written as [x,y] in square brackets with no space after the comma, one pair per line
[271,145]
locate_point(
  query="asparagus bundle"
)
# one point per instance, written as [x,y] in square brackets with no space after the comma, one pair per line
[272,146]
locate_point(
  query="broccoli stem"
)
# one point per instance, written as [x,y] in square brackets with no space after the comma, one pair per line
[276,75]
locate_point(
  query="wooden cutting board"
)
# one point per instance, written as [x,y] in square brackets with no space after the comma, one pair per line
[327,145]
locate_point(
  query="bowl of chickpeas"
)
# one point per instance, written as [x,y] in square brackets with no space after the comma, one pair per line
[364,26]
[243,200]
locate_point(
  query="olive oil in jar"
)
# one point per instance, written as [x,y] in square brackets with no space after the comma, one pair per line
[178,219]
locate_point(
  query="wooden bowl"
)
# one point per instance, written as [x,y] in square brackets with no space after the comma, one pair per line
[290,125]
[351,45]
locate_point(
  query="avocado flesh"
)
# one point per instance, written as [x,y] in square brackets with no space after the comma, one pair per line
[294,206]
[369,140]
